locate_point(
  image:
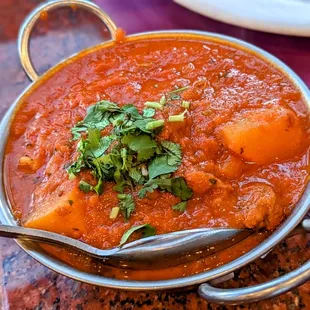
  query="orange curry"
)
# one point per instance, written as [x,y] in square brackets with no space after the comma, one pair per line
[244,139]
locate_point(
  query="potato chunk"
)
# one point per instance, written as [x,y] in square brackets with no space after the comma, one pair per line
[263,135]
[258,207]
[63,215]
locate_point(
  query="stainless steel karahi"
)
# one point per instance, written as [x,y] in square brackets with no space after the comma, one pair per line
[203,279]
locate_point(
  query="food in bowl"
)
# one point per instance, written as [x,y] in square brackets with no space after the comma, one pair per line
[154,135]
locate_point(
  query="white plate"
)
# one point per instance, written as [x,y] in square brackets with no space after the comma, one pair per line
[291,17]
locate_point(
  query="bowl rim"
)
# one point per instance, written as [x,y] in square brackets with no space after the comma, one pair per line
[300,210]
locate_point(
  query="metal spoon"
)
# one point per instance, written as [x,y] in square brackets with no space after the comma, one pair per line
[154,252]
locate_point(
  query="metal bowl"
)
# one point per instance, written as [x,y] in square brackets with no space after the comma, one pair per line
[229,296]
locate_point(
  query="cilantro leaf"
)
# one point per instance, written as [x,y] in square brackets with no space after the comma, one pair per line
[101,106]
[76,167]
[180,189]
[97,145]
[93,137]
[181,206]
[131,111]
[174,151]
[98,116]
[99,187]
[149,187]
[147,231]
[136,175]
[143,144]
[149,112]
[126,204]
[123,154]
[120,181]
[167,163]
[177,186]
[76,131]
[85,187]
[159,165]
[141,124]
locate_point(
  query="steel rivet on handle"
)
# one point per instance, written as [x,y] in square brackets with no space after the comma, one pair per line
[31,19]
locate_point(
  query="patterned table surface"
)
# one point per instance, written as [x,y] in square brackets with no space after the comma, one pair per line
[26,284]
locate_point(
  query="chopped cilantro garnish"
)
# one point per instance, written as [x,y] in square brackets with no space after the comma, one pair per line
[154,105]
[99,187]
[175,97]
[136,174]
[185,104]
[163,100]
[155,124]
[143,145]
[146,229]
[177,118]
[148,112]
[85,187]
[126,204]
[98,116]
[167,163]
[176,186]
[130,155]
[181,206]
[114,213]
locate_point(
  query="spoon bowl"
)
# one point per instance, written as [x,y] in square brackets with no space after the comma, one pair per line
[154,252]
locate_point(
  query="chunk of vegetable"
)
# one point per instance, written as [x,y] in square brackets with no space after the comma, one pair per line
[62,215]
[263,135]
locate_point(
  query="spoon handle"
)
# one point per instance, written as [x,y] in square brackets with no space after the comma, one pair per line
[30,234]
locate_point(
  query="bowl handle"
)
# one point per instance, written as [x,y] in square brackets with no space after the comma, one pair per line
[258,292]
[31,19]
